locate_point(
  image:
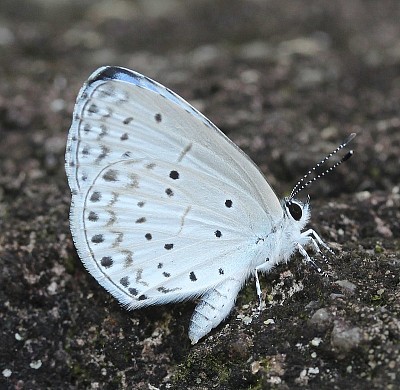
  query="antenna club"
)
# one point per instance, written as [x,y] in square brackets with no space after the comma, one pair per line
[347,155]
[350,138]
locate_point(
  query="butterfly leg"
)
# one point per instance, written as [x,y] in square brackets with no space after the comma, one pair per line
[260,268]
[307,258]
[316,241]
[314,238]
[258,289]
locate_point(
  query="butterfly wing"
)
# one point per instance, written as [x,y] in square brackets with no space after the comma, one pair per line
[164,206]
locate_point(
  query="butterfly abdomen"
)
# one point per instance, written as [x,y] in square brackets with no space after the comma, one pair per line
[214,307]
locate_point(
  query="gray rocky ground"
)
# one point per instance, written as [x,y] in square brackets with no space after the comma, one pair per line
[286,80]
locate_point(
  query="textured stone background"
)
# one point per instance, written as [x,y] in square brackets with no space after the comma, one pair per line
[287,80]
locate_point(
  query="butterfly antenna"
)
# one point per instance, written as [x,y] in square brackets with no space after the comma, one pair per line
[301,184]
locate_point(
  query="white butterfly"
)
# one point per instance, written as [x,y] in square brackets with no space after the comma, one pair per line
[165,207]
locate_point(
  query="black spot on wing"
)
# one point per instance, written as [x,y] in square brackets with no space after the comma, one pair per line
[228,203]
[174,175]
[97,238]
[133,291]
[169,192]
[93,217]
[128,120]
[107,262]
[93,109]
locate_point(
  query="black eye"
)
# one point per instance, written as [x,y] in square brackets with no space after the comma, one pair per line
[295,210]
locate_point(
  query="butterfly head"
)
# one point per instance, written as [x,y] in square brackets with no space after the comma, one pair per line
[296,210]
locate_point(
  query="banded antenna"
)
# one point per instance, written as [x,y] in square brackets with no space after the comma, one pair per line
[300,185]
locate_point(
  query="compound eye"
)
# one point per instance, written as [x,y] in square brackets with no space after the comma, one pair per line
[295,210]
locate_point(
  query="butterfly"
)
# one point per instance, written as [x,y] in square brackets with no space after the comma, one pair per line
[166,208]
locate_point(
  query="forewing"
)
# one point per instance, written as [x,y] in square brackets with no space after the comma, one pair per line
[164,205]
